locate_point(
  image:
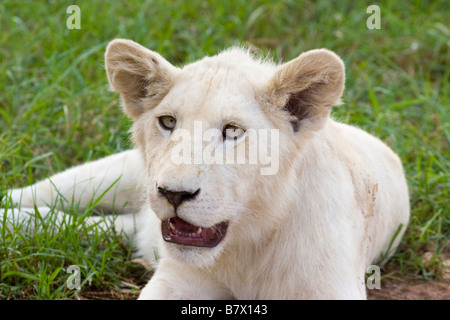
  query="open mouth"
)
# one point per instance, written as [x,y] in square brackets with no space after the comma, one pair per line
[176,230]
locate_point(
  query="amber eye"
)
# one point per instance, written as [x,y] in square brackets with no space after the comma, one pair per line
[167,122]
[232,132]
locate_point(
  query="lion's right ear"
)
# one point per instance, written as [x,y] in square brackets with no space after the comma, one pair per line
[307,87]
[142,77]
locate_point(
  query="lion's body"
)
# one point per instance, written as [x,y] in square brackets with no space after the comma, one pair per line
[309,228]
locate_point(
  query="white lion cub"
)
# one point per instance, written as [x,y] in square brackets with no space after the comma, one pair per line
[241,180]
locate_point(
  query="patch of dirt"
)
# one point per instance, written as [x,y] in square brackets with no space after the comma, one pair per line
[392,289]
[109,295]
[418,290]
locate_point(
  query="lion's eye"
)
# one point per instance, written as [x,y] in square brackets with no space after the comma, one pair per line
[167,122]
[232,132]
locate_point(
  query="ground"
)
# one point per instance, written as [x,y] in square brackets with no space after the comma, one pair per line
[409,288]
[416,290]
[391,288]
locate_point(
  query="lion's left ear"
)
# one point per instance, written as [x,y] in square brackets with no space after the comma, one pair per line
[141,76]
[308,86]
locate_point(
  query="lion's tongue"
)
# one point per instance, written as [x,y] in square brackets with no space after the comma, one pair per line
[184,227]
[178,231]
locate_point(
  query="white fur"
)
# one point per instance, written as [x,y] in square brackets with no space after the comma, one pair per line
[308,232]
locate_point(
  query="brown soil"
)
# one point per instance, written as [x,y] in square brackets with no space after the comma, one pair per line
[392,289]
[418,290]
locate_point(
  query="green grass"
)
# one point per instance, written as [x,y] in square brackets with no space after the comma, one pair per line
[56,111]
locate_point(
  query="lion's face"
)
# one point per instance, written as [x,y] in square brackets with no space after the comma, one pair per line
[214,136]
[198,192]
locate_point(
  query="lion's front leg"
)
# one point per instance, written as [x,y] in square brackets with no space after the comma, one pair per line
[111,183]
[171,282]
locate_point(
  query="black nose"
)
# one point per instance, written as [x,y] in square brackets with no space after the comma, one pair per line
[175,198]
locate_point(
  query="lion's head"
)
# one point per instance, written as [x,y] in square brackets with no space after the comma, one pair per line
[221,138]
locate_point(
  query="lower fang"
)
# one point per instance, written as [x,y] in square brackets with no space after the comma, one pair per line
[199,230]
[171,226]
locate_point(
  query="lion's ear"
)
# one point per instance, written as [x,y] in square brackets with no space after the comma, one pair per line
[308,86]
[142,77]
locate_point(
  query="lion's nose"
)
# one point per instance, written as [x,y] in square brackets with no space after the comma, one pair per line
[175,198]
